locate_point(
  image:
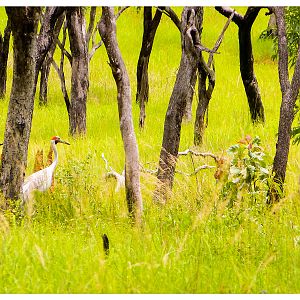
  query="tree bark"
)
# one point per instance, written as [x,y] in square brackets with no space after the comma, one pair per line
[191,50]
[45,69]
[244,24]
[4,50]
[107,29]
[45,37]
[189,100]
[289,96]
[80,64]
[206,73]
[24,23]
[202,107]
[150,27]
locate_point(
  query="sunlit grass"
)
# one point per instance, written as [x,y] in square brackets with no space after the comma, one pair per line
[195,244]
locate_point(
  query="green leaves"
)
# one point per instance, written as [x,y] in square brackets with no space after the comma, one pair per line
[249,169]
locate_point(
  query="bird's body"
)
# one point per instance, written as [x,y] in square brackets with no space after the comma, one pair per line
[41,180]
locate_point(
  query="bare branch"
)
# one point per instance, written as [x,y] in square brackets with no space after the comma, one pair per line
[203,154]
[168,11]
[95,46]
[61,76]
[62,48]
[121,11]
[112,173]
[93,50]
[219,40]
[227,11]
[91,24]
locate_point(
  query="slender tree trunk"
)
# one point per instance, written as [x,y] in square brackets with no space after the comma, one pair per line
[80,63]
[150,27]
[247,68]
[189,100]
[200,125]
[45,69]
[189,59]
[289,92]
[24,23]
[244,24]
[206,87]
[4,50]
[107,29]
[45,37]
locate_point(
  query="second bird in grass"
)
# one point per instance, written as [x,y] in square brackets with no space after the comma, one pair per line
[41,180]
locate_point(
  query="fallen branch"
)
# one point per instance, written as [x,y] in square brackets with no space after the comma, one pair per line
[203,154]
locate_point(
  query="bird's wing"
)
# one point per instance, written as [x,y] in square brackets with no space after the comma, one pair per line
[37,181]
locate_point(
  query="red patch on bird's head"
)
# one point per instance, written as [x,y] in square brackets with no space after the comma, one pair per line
[55,138]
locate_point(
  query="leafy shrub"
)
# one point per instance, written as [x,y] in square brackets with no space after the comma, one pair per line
[249,170]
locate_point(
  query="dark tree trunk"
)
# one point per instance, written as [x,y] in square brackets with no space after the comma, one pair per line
[24,23]
[191,50]
[289,95]
[45,37]
[80,64]
[4,50]
[189,100]
[107,29]
[202,106]
[246,66]
[150,27]
[206,87]
[45,69]
[244,24]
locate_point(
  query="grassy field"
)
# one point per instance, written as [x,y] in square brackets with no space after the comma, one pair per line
[196,243]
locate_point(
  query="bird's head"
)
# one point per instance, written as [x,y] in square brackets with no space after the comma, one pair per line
[57,140]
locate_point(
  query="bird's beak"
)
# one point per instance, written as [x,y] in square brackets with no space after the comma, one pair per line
[64,142]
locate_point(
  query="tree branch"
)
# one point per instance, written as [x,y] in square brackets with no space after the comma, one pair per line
[203,154]
[219,40]
[168,11]
[227,11]
[91,24]
[121,11]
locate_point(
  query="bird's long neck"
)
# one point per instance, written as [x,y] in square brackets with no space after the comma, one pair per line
[55,161]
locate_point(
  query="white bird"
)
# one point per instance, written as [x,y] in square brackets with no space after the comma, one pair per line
[41,180]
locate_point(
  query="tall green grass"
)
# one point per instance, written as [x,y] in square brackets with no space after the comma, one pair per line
[196,243]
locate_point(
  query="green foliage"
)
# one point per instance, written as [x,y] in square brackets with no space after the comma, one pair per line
[249,170]
[292,19]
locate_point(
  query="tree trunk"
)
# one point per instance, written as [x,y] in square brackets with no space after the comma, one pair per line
[200,125]
[24,23]
[45,37]
[247,69]
[244,24]
[189,100]
[107,29]
[45,69]
[206,87]
[80,64]
[150,27]
[4,50]
[191,50]
[289,96]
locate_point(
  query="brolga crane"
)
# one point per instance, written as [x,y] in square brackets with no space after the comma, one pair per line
[41,180]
